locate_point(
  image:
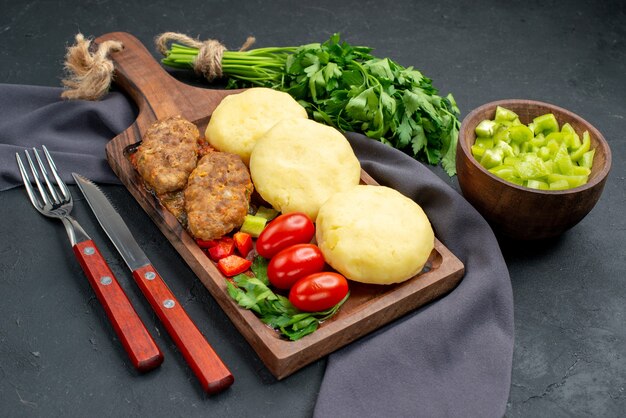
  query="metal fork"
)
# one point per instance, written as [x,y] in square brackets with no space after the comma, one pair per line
[53,199]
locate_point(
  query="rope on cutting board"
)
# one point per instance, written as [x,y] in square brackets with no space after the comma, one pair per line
[89,70]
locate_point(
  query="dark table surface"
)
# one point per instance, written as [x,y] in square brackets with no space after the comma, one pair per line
[569,293]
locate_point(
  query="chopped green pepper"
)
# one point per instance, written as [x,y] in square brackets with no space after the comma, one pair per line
[484,142]
[537,184]
[478,151]
[504,114]
[267,213]
[520,133]
[253,225]
[572,180]
[538,155]
[544,153]
[572,138]
[486,128]
[584,147]
[559,185]
[491,158]
[545,123]
[587,159]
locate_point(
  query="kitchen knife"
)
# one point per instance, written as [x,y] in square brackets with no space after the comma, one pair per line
[213,374]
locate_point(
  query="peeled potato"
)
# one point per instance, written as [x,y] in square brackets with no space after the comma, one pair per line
[299,163]
[374,234]
[240,119]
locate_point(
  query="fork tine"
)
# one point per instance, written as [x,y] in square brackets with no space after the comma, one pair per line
[42,192]
[27,184]
[44,173]
[53,169]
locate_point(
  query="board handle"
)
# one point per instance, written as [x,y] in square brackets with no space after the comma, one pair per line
[156,92]
[143,78]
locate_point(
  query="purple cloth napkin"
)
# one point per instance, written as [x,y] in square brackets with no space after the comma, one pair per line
[451,358]
[75,132]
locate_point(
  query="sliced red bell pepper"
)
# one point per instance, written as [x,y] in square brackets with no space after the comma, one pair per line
[233,265]
[206,244]
[224,248]
[243,242]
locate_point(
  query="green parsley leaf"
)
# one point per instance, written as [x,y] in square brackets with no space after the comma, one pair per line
[259,268]
[364,106]
[419,140]
[405,132]
[449,159]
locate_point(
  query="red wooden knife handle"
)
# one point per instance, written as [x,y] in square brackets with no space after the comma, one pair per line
[205,363]
[137,341]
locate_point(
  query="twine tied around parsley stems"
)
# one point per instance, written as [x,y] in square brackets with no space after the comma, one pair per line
[90,71]
[208,61]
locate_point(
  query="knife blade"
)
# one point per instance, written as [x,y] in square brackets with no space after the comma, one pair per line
[213,374]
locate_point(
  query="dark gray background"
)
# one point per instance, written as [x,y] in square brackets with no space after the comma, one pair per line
[569,292]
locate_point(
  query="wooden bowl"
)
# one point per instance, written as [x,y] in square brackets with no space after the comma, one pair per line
[518,212]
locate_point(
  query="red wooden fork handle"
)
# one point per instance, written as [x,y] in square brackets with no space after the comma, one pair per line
[137,341]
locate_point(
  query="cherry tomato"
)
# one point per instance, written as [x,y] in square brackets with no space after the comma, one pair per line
[285,230]
[318,291]
[293,263]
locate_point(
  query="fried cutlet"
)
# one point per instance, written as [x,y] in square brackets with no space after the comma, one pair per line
[217,195]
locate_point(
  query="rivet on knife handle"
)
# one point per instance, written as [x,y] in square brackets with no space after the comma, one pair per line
[137,341]
[205,363]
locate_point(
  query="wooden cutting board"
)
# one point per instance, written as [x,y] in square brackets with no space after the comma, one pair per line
[158,95]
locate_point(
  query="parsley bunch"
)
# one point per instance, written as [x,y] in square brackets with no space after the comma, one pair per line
[347,87]
[273,309]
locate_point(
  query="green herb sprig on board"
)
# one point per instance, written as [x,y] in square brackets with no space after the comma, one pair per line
[274,309]
[347,87]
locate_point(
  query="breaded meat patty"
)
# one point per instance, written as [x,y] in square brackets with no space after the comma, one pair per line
[168,154]
[217,195]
